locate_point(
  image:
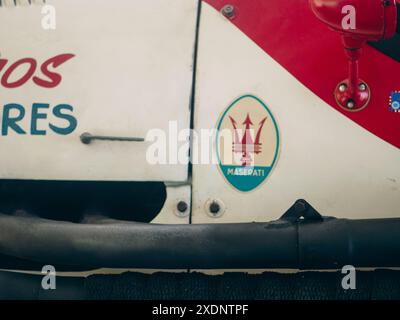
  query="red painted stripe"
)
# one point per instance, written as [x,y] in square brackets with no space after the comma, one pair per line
[290,33]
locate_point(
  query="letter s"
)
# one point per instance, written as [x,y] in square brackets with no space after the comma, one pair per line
[57,111]
[55,78]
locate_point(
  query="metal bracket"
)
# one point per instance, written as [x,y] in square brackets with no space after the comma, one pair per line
[302,210]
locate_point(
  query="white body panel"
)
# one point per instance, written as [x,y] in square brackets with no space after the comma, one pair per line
[132,72]
[337,166]
[137,76]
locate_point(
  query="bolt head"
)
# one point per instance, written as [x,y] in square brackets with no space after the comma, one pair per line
[228,11]
[182,206]
[350,104]
[215,208]
[363,87]
[342,87]
[86,138]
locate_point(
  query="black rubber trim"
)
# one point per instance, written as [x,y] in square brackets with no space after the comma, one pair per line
[327,244]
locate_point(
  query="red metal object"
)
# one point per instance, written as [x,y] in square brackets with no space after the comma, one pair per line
[373,20]
[353,94]
[289,32]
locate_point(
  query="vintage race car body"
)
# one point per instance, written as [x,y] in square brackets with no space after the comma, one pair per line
[79,105]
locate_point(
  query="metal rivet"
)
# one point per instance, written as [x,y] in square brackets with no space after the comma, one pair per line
[86,138]
[215,208]
[182,206]
[228,11]
[342,87]
[363,87]
[182,209]
[350,104]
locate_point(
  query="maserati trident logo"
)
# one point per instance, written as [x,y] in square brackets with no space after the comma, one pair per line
[246,146]
[249,151]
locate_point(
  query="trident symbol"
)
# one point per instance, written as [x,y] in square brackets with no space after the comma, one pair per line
[246,146]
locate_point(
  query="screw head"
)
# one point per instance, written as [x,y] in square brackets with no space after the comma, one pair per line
[182,209]
[363,87]
[215,208]
[350,104]
[86,138]
[228,11]
[342,87]
[182,206]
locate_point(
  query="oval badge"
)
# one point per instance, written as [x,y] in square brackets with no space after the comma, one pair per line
[247,143]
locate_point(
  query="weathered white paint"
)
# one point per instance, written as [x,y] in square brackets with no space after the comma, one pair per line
[132,72]
[337,166]
[136,76]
